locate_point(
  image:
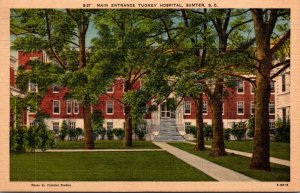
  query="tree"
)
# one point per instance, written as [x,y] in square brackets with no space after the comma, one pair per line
[251,127]
[62,34]
[63,132]
[264,21]
[197,94]
[217,30]
[126,42]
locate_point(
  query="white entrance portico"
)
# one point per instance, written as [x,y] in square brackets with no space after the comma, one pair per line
[167,123]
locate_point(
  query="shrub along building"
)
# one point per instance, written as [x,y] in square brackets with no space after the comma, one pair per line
[238,106]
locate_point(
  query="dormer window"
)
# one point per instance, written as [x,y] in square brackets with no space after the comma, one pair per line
[32,87]
[110,89]
[55,89]
[76,107]
[240,87]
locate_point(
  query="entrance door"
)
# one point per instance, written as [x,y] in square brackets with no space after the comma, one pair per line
[165,112]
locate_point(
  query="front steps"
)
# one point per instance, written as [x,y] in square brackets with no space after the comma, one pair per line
[168,131]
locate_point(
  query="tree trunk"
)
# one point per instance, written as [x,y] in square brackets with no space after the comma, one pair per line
[217,147]
[87,114]
[261,141]
[128,127]
[199,123]
[82,53]
[88,132]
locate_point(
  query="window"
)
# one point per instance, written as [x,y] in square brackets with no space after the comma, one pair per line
[32,58]
[55,127]
[71,125]
[252,108]
[109,107]
[240,108]
[31,124]
[76,107]
[110,89]
[187,107]
[283,87]
[271,108]
[69,107]
[284,114]
[187,124]
[272,124]
[56,107]
[109,125]
[204,107]
[240,87]
[272,84]
[55,89]
[252,89]
[32,87]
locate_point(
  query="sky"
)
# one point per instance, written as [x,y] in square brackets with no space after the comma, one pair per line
[91,33]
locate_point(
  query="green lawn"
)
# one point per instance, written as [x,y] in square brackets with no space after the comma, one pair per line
[277,149]
[105,144]
[240,164]
[102,166]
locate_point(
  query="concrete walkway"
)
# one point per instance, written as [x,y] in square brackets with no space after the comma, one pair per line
[215,171]
[246,154]
[97,150]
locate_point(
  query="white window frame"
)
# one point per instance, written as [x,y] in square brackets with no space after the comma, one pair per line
[204,105]
[112,103]
[243,86]
[33,58]
[252,89]
[54,91]
[190,107]
[75,104]
[29,87]
[53,106]
[68,105]
[55,122]
[31,124]
[187,124]
[71,124]
[252,104]
[273,104]
[237,107]
[272,83]
[272,124]
[112,89]
[112,125]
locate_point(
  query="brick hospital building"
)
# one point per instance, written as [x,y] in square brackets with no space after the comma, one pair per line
[237,106]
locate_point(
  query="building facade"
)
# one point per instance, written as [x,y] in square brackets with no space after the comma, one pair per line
[282,95]
[237,106]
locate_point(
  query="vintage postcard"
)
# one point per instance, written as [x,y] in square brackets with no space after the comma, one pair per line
[160,96]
